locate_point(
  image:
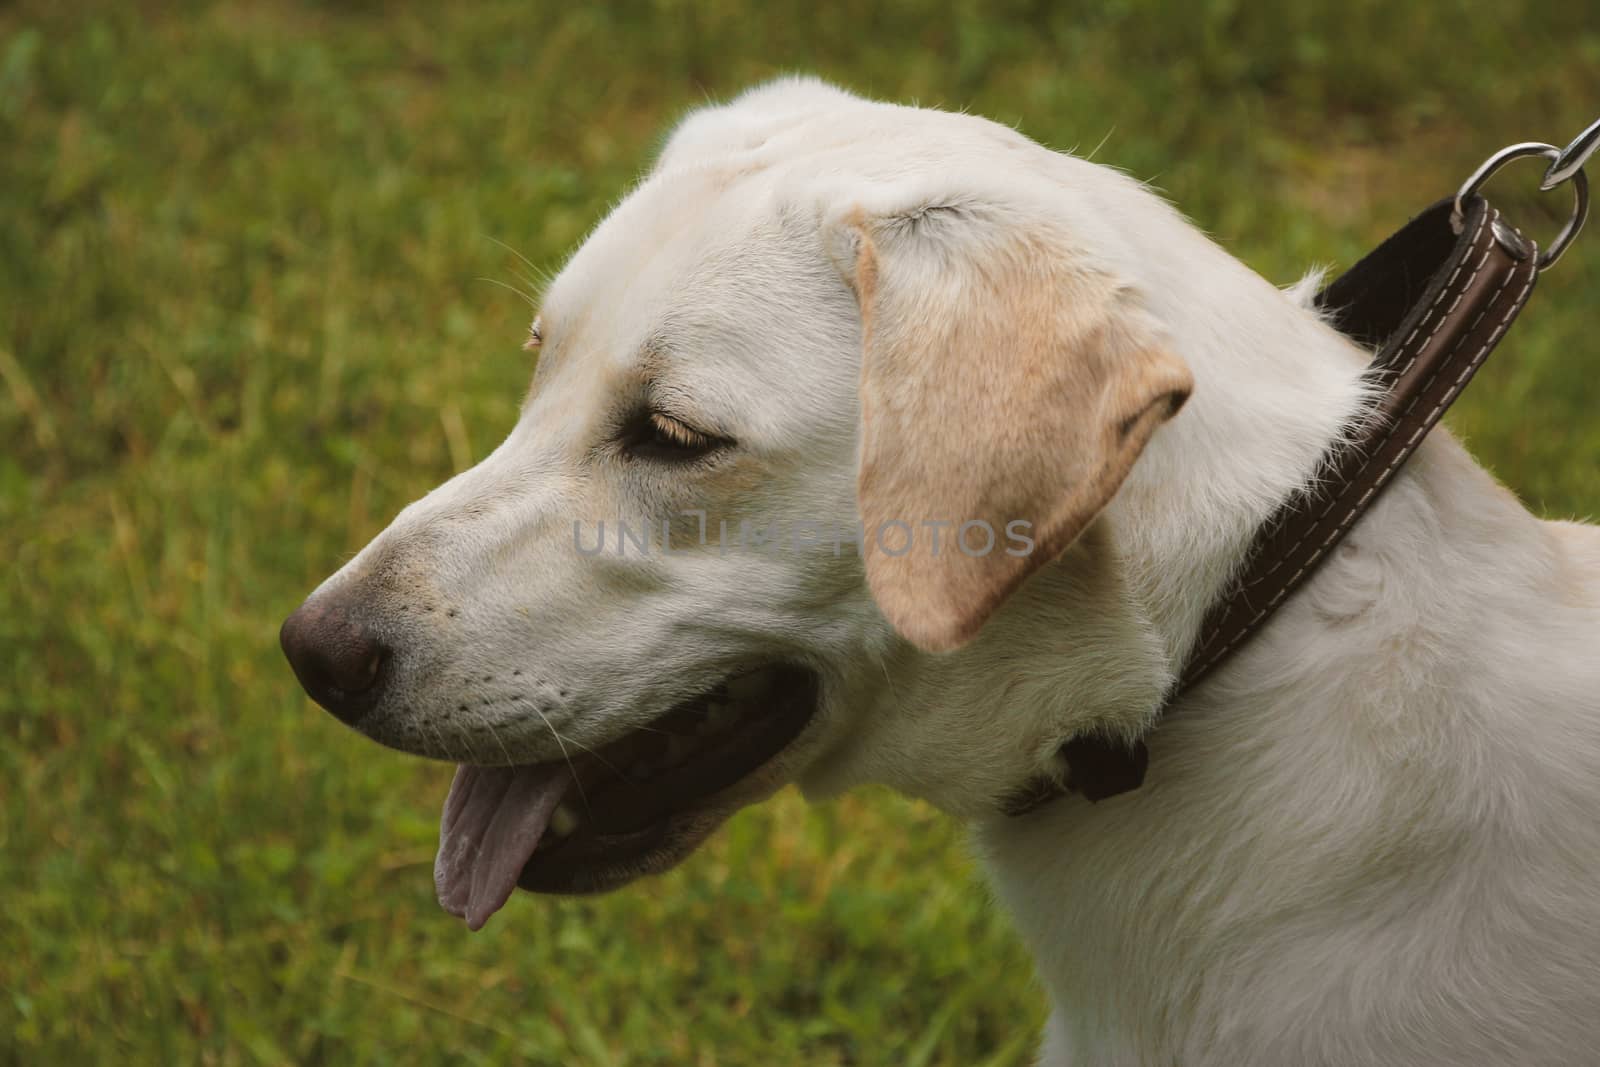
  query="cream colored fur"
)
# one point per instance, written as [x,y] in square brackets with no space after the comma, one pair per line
[1044,434]
[1373,837]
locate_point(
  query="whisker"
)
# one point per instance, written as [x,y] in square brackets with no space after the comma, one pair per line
[883,665]
[658,730]
[565,755]
[529,300]
[438,739]
[468,747]
[533,284]
[495,734]
[612,767]
[542,274]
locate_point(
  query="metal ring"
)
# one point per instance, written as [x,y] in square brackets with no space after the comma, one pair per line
[1580,212]
[1580,191]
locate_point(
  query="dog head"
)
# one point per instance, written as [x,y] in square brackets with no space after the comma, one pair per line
[823,417]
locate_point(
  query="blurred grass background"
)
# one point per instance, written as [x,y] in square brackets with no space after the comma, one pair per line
[243,321]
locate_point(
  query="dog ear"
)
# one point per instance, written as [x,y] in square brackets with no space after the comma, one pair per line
[1007,386]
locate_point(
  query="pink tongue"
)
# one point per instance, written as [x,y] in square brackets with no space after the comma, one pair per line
[492,822]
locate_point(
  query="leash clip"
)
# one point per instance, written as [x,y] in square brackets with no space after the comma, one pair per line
[1572,158]
[1566,164]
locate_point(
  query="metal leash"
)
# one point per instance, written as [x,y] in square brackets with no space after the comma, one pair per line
[1566,165]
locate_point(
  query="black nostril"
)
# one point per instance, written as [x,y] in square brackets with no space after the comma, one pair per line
[336,658]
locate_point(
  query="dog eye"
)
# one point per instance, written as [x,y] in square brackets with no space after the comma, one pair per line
[656,435]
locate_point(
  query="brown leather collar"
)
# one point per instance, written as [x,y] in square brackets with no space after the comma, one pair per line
[1434,300]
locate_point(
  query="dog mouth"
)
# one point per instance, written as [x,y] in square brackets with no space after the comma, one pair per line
[635,806]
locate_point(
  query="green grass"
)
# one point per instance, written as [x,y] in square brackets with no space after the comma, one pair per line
[242,322]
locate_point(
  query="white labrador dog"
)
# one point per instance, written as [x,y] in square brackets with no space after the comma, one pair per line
[1372,838]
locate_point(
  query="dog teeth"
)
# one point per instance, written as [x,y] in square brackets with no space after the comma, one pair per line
[564,821]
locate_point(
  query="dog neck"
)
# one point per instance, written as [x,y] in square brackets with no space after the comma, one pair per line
[1335,768]
[1275,386]
[1345,766]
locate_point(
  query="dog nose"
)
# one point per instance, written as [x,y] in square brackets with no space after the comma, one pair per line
[336,658]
